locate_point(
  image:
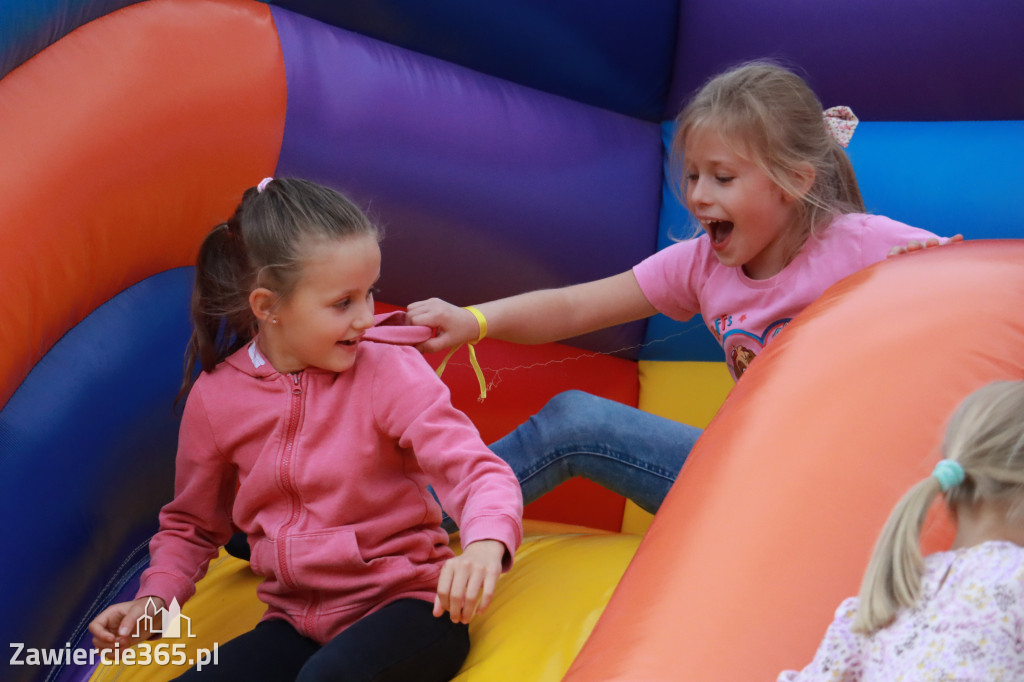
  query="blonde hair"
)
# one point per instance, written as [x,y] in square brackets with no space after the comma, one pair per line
[776,121]
[986,437]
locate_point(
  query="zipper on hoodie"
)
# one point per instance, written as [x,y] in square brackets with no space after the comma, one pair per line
[284,469]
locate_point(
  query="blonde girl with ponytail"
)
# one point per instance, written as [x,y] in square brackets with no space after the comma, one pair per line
[959,614]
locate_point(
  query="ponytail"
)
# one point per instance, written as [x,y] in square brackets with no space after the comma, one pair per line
[985,440]
[892,580]
[222,321]
[848,197]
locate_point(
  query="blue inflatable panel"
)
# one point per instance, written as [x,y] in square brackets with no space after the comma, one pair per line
[87,447]
[889,61]
[28,26]
[471,211]
[611,54]
[977,164]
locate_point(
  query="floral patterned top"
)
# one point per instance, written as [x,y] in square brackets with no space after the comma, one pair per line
[968,626]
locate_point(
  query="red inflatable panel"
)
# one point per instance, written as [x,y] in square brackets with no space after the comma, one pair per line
[524,378]
[189,112]
[774,516]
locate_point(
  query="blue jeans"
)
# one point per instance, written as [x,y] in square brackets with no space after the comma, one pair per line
[630,452]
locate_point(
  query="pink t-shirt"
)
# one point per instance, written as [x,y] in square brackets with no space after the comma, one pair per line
[686,279]
[967,627]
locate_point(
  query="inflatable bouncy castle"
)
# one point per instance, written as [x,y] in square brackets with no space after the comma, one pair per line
[503,146]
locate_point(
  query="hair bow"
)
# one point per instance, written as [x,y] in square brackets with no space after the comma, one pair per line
[841,122]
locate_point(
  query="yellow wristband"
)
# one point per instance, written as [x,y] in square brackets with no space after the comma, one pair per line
[481,320]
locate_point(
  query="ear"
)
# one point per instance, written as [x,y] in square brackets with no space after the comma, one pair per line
[803,180]
[262,301]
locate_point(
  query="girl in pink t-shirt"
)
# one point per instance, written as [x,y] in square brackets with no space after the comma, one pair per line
[764,175]
[955,615]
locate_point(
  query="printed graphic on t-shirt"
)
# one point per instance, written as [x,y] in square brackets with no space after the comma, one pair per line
[742,345]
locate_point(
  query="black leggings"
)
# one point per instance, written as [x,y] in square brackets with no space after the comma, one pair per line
[402,641]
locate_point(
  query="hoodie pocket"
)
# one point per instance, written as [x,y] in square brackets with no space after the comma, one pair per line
[331,560]
[310,560]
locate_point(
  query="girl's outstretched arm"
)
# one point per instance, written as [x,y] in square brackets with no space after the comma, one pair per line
[538,316]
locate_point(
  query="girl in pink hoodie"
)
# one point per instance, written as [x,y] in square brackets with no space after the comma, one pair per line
[319,444]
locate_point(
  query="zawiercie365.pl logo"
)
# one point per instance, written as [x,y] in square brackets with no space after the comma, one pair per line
[167,622]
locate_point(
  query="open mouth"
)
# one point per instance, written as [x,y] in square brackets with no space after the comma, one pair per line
[349,342]
[718,230]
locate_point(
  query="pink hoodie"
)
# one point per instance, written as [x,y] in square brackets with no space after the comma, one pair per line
[331,473]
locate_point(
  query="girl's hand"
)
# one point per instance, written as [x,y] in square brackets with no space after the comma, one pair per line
[917,246]
[453,325]
[116,625]
[467,581]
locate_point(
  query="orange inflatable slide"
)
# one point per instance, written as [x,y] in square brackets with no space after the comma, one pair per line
[772,522]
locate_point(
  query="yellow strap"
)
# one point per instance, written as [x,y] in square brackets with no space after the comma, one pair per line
[479,372]
[482,321]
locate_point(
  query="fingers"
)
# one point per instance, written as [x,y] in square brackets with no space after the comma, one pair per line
[119,625]
[927,244]
[464,594]
[458,591]
[427,313]
[104,627]
[454,590]
[435,344]
[490,584]
[130,625]
[467,582]
[452,325]
[113,627]
[444,588]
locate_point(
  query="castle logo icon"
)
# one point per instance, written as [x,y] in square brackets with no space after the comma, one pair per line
[170,623]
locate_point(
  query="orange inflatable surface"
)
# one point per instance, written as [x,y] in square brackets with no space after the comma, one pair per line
[141,163]
[775,513]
